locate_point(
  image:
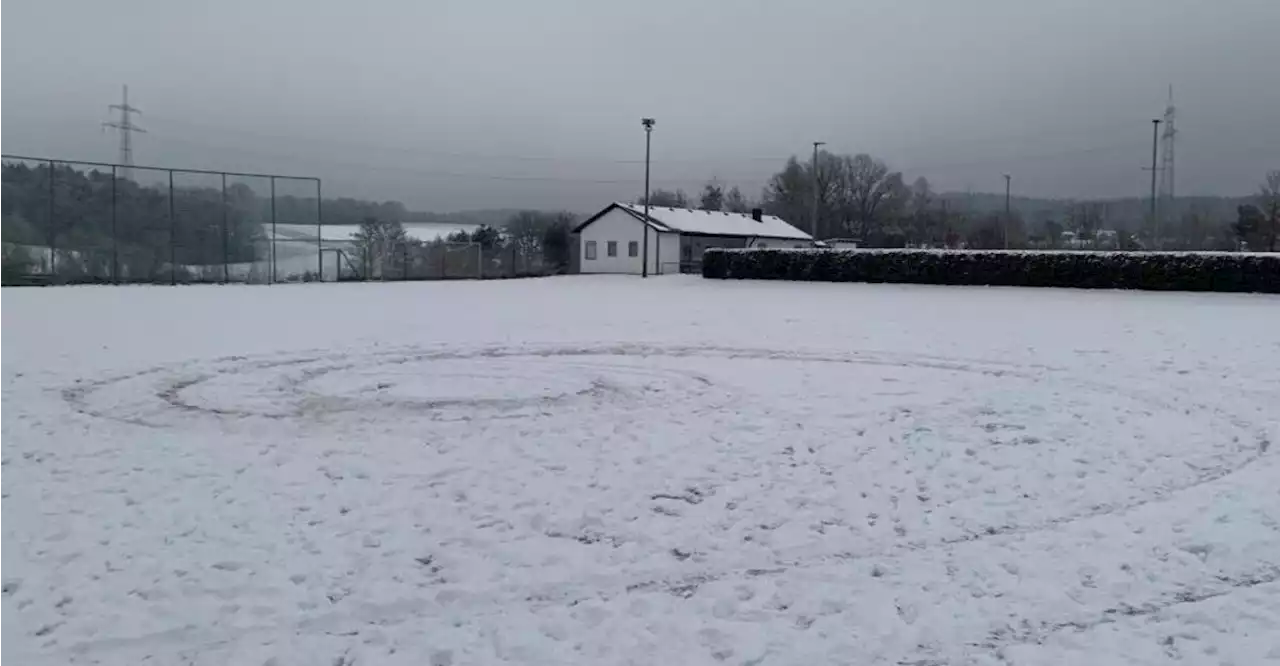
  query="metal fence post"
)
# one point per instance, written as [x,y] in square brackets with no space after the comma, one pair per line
[271,279]
[115,234]
[126,248]
[173,236]
[226,243]
[320,239]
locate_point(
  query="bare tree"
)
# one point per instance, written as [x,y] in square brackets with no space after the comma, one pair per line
[666,198]
[1194,228]
[874,193]
[380,243]
[734,202]
[1250,226]
[828,176]
[920,211]
[1269,204]
[1085,220]
[856,194]
[921,195]
[712,197]
[526,229]
[787,194]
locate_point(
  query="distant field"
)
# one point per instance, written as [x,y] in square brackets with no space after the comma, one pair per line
[423,231]
[296,252]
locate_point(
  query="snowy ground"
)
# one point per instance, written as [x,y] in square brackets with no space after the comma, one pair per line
[602,470]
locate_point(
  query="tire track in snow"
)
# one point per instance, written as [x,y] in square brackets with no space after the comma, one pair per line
[171,394]
[1037,632]
[573,591]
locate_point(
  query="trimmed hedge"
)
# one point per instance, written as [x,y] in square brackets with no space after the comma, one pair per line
[1170,271]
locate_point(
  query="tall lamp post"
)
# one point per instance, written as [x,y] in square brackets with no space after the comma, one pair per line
[814,212]
[1155,144]
[1008,214]
[648,136]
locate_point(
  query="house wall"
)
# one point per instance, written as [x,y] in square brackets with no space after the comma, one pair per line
[622,228]
[668,254]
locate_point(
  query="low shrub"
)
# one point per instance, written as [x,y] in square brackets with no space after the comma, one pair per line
[1170,271]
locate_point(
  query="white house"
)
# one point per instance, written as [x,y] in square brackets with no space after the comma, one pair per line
[612,240]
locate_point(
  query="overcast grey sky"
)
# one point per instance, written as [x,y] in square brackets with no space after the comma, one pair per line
[473,104]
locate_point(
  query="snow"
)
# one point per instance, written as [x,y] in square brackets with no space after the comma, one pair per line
[423,231]
[606,470]
[719,223]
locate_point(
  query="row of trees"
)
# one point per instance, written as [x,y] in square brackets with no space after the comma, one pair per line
[1258,225]
[529,239]
[87,224]
[91,224]
[100,226]
[860,196]
[712,197]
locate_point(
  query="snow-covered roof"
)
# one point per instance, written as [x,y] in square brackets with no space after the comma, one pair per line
[708,222]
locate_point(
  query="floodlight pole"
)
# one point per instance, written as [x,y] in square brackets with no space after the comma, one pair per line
[1155,145]
[648,136]
[813,220]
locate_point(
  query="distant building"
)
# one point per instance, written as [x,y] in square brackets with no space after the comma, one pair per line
[612,240]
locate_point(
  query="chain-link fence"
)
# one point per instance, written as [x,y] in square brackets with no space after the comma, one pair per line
[448,260]
[72,222]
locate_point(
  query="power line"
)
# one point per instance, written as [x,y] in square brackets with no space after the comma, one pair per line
[126,128]
[428,152]
[1091,130]
[442,173]
[1025,157]
[447,173]
[747,181]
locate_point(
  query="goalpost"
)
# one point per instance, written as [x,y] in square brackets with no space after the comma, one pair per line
[336,266]
[461,260]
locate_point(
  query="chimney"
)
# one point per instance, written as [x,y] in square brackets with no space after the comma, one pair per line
[757,214]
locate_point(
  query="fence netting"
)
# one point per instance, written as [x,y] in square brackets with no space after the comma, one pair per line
[83,222]
[68,222]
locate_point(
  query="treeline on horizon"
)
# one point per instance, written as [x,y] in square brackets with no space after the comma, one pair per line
[862,197]
[87,224]
[118,225]
[858,196]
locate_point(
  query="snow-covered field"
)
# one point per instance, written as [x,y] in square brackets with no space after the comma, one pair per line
[602,470]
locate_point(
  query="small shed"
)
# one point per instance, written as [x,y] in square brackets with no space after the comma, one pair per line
[612,240]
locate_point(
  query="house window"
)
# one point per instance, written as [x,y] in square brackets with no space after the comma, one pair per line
[591,250]
[612,248]
[633,249]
